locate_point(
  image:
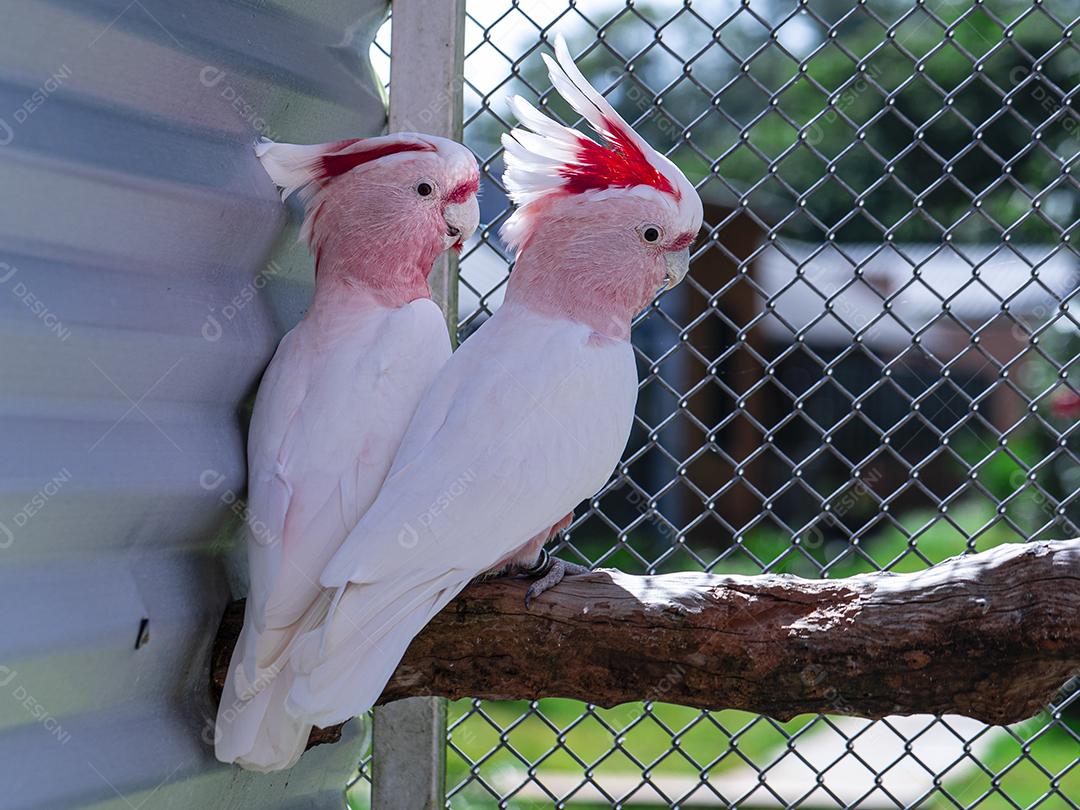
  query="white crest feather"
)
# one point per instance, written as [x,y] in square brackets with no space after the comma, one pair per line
[585,99]
[291,166]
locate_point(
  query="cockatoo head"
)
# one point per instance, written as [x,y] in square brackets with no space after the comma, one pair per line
[613,219]
[379,206]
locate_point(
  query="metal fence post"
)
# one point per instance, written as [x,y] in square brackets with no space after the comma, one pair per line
[409,762]
[427,46]
[426,57]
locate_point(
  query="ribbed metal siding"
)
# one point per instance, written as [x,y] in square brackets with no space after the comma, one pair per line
[135,318]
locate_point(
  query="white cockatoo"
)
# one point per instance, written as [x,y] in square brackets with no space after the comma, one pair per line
[529,417]
[337,396]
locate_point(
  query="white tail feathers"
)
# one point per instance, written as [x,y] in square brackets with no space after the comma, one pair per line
[260,654]
[254,729]
[341,669]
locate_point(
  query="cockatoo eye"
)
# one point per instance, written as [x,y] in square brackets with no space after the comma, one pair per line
[425,188]
[651,234]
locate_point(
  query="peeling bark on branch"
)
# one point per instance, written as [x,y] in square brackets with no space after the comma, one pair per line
[990,636]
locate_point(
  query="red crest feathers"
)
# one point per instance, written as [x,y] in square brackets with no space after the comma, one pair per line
[621,165]
[331,165]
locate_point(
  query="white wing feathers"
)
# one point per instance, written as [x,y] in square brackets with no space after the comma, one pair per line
[498,450]
[328,419]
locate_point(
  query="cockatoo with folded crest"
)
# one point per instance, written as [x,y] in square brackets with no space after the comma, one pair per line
[529,417]
[337,396]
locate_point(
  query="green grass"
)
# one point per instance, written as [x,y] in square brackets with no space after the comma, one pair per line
[609,740]
[924,532]
[1020,782]
[932,536]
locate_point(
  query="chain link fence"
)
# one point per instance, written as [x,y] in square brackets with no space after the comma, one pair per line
[870,366]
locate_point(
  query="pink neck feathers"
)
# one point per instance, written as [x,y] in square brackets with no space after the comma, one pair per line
[388,258]
[582,266]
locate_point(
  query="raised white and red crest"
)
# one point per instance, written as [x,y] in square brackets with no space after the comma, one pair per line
[544,157]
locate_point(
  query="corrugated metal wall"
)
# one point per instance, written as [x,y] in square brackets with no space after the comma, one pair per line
[136,314]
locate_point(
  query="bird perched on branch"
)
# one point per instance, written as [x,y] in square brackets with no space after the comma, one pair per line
[337,396]
[526,419]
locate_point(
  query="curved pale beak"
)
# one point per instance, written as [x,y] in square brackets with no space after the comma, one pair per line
[461,221]
[678,264]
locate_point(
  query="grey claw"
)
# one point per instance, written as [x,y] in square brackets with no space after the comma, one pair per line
[555,573]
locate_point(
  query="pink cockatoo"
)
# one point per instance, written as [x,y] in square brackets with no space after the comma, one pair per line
[529,417]
[337,396]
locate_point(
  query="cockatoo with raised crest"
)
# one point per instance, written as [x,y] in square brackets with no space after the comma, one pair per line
[530,415]
[337,396]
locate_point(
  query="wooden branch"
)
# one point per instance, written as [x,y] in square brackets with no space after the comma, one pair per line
[990,636]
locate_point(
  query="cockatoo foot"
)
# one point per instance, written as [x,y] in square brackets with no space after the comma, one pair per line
[549,572]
